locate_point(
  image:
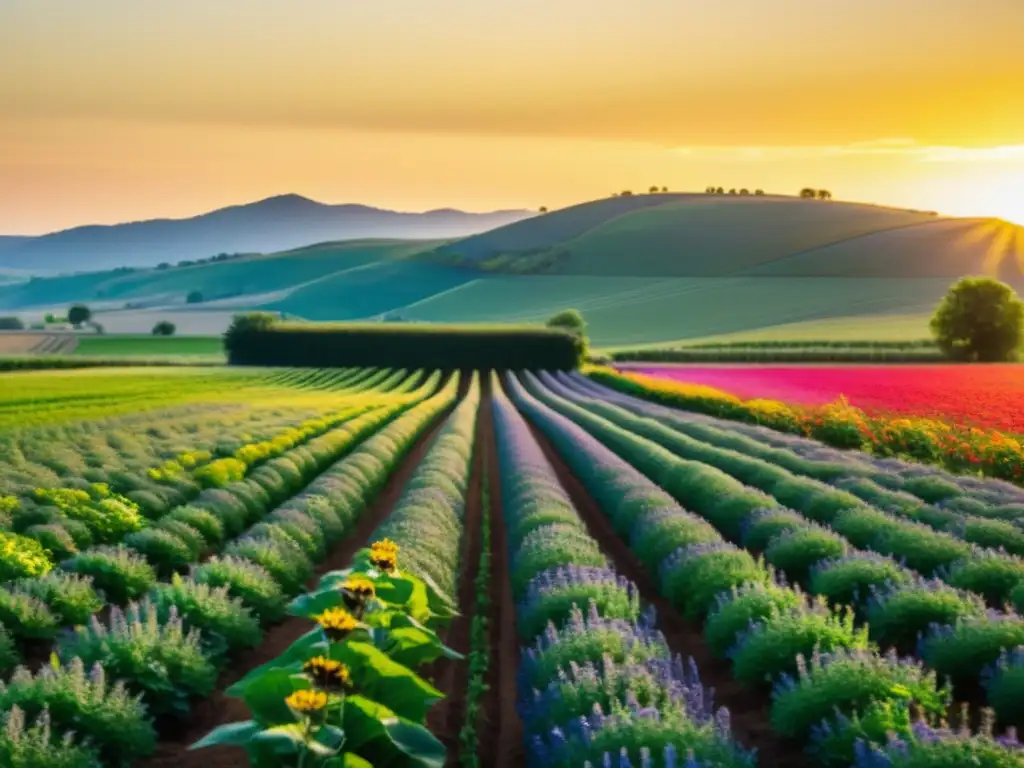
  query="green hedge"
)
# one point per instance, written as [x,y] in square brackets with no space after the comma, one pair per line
[256,341]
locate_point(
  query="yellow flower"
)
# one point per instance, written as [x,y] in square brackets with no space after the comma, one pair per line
[384,560]
[357,591]
[327,673]
[337,623]
[385,545]
[306,702]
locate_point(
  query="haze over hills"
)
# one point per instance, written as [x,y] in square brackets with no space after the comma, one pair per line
[273,224]
[645,269]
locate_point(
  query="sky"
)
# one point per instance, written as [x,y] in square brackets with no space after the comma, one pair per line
[117,110]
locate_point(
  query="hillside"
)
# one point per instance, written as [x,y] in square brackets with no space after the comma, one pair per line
[274,224]
[649,269]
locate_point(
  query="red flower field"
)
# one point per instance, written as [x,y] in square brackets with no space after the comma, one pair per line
[988,396]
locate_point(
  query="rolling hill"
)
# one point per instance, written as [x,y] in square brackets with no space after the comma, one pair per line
[274,224]
[647,269]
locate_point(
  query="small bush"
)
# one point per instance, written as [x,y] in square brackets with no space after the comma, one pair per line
[964,650]
[795,552]
[764,525]
[1004,686]
[25,616]
[280,555]
[120,573]
[8,651]
[21,557]
[204,521]
[992,575]
[162,549]
[769,649]
[851,580]
[36,746]
[55,539]
[745,605]
[192,538]
[71,597]
[159,660]
[249,582]
[899,614]
[85,700]
[224,622]
[694,577]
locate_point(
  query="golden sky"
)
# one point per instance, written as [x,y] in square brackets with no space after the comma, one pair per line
[114,110]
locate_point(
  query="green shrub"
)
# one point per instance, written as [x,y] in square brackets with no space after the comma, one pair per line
[120,573]
[552,547]
[795,552]
[8,651]
[162,549]
[54,538]
[71,597]
[660,534]
[21,557]
[769,649]
[150,504]
[1004,686]
[202,520]
[964,650]
[249,582]
[332,525]
[764,525]
[993,533]
[224,622]
[693,577]
[160,661]
[85,700]
[851,580]
[36,746]
[992,575]
[739,608]
[899,614]
[185,533]
[25,616]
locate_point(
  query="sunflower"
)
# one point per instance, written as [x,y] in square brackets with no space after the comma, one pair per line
[383,560]
[307,702]
[357,592]
[336,623]
[385,545]
[327,673]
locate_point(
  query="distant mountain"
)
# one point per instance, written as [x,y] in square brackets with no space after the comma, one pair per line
[277,223]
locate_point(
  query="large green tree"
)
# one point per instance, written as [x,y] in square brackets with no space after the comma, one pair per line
[79,314]
[980,319]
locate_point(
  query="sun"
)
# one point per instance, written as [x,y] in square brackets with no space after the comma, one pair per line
[986,191]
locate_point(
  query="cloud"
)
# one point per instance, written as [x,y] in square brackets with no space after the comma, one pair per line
[901,147]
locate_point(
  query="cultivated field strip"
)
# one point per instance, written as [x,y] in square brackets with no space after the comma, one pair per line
[597,674]
[695,566]
[190,627]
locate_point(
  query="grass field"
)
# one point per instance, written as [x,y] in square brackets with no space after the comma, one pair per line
[150,346]
[648,269]
[520,548]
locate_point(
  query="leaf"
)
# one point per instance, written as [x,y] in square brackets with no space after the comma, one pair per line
[233,734]
[312,603]
[266,694]
[385,739]
[380,678]
[283,739]
[310,644]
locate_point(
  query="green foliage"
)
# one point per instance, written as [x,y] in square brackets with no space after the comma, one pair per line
[993,575]
[164,328]
[69,596]
[162,549]
[981,320]
[570,320]
[899,614]
[224,622]
[852,580]
[118,572]
[8,652]
[159,660]
[21,556]
[87,701]
[79,314]
[25,616]
[204,521]
[247,581]
[963,651]
[279,554]
[693,583]
[743,606]
[795,552]
[54,538]
[35,746]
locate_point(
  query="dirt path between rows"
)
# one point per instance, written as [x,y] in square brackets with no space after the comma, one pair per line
[218,709]
[749,709]
[501,735]
[449,676]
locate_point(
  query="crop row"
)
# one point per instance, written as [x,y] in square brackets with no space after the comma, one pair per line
[831,689]
[598,682]
[358,695]
[166,649]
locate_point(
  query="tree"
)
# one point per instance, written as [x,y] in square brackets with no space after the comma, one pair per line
[710,190]
[664,189]
[78,314]
[626,193]
[11,323]
[732,191]
[653,190]
[569,320]
[824,194]
[164,328]
[744,191]
[194,297]
[981,320]
[720,191]
[759,192]
[163,265]
[808,193]
[543,209]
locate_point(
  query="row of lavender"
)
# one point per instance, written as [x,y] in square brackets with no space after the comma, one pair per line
[166,650]
[830,689]
[598,684]
[944,618]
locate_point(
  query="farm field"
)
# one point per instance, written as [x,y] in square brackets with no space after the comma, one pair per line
[488,568]
[150,346]
[979,395]
[699,268]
